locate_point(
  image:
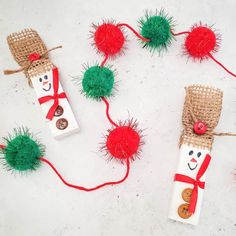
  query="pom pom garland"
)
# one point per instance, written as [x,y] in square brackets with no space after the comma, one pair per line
[23,153]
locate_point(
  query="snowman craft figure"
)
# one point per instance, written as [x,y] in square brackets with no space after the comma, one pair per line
[31,54]
[202,109]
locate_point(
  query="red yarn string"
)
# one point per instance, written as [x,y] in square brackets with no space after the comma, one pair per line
[83,188]
[180,33]
[107,112]
[104,61]
[231,73]
[2,146]
[134,31]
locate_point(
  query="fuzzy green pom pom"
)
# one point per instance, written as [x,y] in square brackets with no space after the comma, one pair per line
[157,27]
[22,152]
[98,82]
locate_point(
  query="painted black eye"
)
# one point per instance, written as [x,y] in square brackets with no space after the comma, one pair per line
[45,77]
[40,79]
[199,154]
[190,153]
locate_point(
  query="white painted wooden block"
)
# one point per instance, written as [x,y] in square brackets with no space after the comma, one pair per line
[190,160]
[63,122]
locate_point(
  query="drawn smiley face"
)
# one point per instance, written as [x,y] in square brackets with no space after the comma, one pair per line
[193,163]
[46,85]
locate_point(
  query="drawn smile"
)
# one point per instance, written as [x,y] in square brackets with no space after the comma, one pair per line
[192,167]
[49,87]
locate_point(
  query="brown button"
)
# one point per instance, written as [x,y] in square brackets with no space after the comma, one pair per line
[62,123]
[186,194]
[183,211]
[59,111]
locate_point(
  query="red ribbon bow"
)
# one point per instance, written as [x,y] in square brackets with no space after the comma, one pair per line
[196,183]
[54,97]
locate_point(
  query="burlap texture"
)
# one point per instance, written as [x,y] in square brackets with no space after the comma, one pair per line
[202,103]
[24,43]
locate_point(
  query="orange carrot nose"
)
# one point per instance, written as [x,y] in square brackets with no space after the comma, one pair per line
[193,160]
[45,82]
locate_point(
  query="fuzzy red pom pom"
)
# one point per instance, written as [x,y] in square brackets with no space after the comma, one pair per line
[109,39]
[201,41]
[123,142]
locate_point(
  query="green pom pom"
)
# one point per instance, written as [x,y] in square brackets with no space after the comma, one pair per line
[156,27]
[98,82]
[22,152]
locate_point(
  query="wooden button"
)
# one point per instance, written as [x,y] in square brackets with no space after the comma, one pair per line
[183,211]
[62,123]
[186,194]
[59,111]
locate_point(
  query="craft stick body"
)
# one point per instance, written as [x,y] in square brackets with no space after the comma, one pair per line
[31,54]
[63,121]
[190,160]
[202,109]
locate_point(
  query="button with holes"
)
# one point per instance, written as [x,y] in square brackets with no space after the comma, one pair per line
[59,111]
[183,211]
[62,123]
[199,127]
[186,194]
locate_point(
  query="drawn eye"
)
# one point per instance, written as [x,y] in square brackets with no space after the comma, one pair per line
[190,153]
[199,154]
[40,79]
[45,77]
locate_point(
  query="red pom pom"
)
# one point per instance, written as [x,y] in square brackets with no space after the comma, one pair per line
[124,141]
[201,41]
[109,39]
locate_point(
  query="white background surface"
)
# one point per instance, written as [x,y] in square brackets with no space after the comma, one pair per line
[150,89]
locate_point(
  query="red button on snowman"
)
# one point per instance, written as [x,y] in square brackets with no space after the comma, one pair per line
[199,127]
